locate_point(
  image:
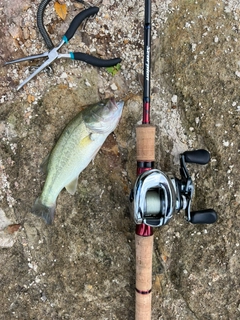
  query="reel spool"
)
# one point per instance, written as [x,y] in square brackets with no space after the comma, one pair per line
[156,197]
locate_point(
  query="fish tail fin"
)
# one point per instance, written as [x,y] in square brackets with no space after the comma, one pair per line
[46,213]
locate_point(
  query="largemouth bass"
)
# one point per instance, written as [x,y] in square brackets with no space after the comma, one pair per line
[77,146]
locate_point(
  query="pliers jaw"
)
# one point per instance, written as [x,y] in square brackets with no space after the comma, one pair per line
[33,57]
[53,54]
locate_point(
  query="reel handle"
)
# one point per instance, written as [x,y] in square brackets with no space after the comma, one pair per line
[199,156]
[206,216]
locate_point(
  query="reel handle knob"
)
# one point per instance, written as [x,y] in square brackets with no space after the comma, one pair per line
[206,216]
[199,156]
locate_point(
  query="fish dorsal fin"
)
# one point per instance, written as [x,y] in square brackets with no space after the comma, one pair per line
[72,186]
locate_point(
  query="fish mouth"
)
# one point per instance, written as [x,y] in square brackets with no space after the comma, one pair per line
[117,105]
[113,102]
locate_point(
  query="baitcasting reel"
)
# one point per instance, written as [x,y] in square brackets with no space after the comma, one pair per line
[156,197]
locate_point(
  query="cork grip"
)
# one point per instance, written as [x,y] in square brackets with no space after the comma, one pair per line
[145,142]
[144,248]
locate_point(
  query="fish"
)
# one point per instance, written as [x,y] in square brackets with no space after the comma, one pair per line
[77,146]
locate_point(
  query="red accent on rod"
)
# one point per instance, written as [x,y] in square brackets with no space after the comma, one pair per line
[146,113]
[141,170]
[144,230]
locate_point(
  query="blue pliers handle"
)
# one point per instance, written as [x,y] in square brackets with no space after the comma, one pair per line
[53,54]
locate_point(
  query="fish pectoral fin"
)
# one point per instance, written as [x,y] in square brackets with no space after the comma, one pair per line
[94,136]
[72,186]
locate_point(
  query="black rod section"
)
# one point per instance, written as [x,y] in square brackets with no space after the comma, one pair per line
[147,63]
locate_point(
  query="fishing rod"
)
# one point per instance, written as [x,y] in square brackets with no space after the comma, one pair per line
[156,196]
[145,136]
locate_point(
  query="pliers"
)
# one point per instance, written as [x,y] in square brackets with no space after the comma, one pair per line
[53,53]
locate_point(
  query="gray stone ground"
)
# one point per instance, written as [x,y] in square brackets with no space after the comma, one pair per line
[82,267]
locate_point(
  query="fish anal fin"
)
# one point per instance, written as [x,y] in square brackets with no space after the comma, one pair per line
[72,186]
[44,164]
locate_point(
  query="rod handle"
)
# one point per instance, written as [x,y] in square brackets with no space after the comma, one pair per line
[145,135]
[144,251]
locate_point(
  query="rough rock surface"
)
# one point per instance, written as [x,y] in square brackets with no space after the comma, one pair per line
[83,266]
